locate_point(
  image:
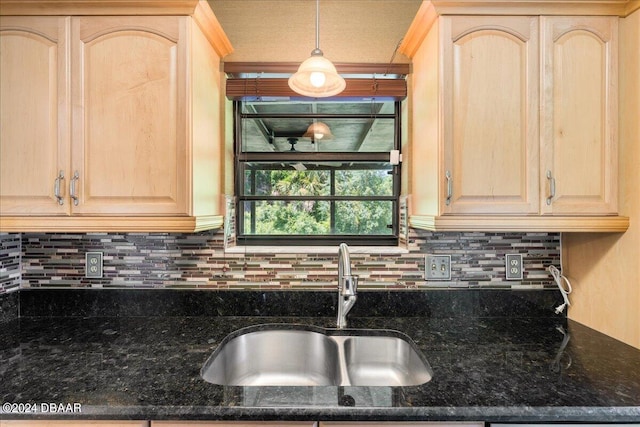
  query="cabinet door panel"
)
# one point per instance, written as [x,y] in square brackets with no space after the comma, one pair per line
[34,131]
[580,114]
[129,142]
[491,128]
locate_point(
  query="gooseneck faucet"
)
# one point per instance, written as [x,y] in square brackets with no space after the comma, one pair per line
[347,285]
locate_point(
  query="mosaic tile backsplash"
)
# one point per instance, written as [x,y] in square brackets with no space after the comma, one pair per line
[162,260]
[9,262]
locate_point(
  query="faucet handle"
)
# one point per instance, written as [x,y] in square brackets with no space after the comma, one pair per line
[350,285]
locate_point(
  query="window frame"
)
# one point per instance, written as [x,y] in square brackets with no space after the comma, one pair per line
[241,158]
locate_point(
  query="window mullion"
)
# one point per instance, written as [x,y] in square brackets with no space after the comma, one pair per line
[253,205]
[332,208]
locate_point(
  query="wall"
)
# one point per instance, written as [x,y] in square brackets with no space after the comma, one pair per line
[200,261]
[263,30]
[9,276]
[210,260]
[605,268]
[9,262]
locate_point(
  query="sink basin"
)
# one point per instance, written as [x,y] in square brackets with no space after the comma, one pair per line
[384,361]
[275,357]
[272,355]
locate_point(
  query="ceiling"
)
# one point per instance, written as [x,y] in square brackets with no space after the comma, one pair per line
[351,31]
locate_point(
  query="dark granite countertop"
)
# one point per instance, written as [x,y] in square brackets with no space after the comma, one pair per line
[497,368]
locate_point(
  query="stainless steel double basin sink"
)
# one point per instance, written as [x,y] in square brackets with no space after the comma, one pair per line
[284,355]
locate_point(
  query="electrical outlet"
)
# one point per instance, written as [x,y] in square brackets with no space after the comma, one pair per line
[93,265]
[437,267]
[514,268]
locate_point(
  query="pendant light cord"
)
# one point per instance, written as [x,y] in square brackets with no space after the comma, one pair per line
[317,77]
[317,25]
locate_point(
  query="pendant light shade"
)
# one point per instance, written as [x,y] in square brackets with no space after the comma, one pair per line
[317,76]
[317,131]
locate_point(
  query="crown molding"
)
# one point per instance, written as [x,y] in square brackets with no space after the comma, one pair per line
[632,6]
[211,28]
[429,11]
[98,7]
[535,7]
[419,28]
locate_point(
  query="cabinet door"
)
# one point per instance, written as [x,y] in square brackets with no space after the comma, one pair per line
[579,115]
[34,118]
[129,141]
[491,130]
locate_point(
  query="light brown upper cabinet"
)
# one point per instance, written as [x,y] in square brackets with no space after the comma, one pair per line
[115,124]
[579,122]
[34,115]
[490,128]
[513,123]
[129,152]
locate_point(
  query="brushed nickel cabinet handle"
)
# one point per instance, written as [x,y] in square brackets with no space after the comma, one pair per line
[72,189]
[56,188]
[449,188]
[552,187]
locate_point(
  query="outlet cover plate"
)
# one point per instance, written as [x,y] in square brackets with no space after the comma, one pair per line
[514,268]
[437,267]
[93,265]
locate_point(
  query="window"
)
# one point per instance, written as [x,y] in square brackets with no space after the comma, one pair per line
[317,172]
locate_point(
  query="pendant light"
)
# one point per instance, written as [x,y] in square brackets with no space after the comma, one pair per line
[317,131]
[317,76]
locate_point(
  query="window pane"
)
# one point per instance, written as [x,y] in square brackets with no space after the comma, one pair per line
[349,135]
[284,180]
[283,135]
[293,218]
[375,181]
[306,178]
[364,217]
